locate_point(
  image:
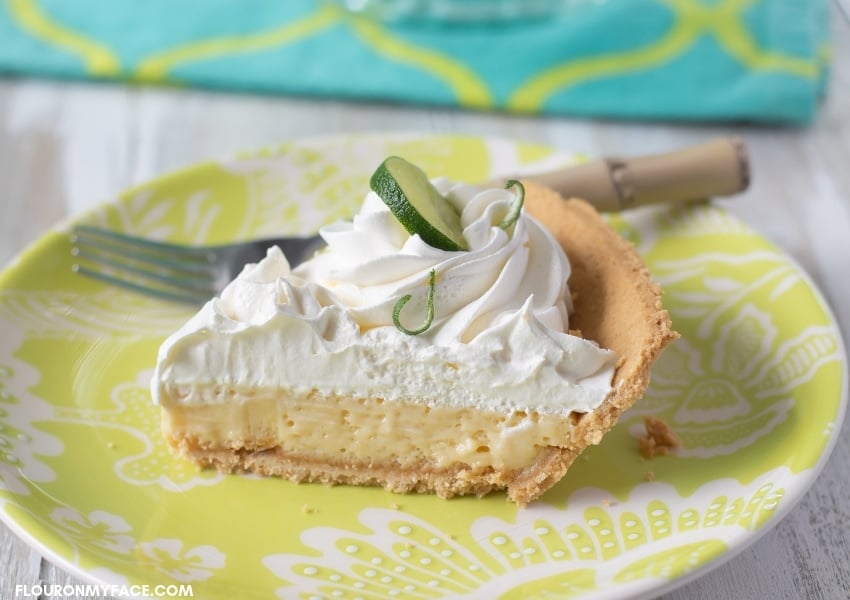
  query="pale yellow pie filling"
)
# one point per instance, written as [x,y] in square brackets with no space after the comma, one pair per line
[365,430]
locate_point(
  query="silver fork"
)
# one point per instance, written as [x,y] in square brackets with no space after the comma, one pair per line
[176,272]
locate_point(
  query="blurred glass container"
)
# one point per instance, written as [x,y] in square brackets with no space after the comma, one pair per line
[456,11]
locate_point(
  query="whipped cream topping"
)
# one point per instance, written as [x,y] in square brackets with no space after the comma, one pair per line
[372,261]
[497,340]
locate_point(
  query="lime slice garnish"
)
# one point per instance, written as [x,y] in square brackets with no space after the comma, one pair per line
[417,204]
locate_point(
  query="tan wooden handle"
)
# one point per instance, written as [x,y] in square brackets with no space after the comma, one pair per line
[716,168]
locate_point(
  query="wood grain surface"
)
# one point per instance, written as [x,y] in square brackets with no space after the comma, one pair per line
[66,146]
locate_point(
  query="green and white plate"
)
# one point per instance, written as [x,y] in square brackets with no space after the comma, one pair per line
[755,388]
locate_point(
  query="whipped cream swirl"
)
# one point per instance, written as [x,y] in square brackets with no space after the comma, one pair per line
[372,261]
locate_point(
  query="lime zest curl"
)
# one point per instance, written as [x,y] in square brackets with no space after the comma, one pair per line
[516,206]
[429,315]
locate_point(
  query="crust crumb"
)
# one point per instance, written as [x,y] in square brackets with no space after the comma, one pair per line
[650,476]
[659,439]
[307,509]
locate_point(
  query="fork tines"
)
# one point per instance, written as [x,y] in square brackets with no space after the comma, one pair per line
[154,268]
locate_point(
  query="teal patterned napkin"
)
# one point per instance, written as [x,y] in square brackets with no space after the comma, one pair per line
[759,60]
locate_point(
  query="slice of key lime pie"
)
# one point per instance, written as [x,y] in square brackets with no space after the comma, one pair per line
[442,342]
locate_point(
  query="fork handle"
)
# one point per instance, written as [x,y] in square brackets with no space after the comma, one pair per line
[716,168]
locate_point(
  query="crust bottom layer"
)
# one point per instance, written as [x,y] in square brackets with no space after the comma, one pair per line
[424,477]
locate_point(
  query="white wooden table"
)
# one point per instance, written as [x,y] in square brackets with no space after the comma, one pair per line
[67,146]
